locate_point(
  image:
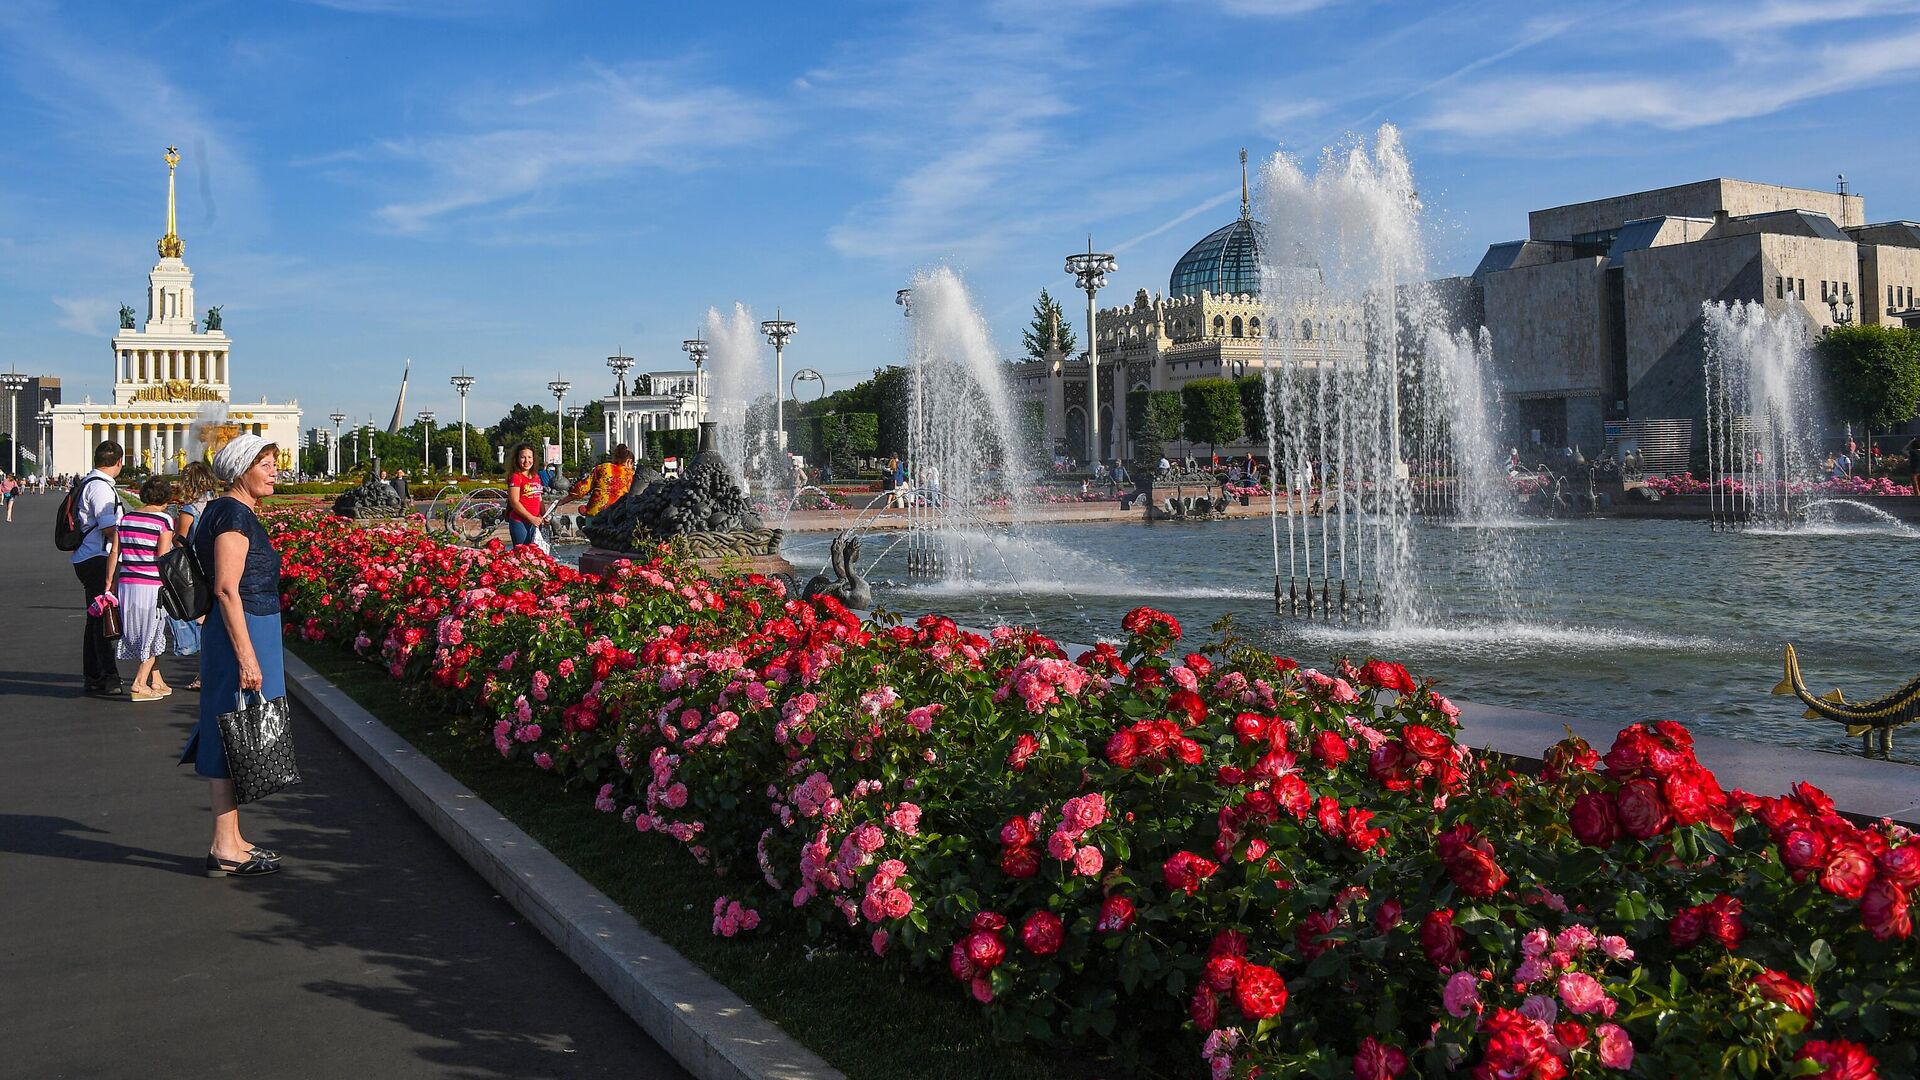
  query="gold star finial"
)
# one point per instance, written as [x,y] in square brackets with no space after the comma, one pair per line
[171,246]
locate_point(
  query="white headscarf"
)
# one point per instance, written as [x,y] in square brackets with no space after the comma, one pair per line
[237,456]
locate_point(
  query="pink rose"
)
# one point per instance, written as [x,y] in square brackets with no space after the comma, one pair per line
[1088,861]
[1616,1049]
[880,939]
[1581,992]
[1462,995]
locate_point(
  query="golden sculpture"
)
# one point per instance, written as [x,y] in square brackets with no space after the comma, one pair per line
[146,459]
[176,390]
[1874,719]
[179,460]
[171,246]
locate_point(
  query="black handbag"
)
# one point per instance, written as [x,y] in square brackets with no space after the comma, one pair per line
[259,739]
[186,593]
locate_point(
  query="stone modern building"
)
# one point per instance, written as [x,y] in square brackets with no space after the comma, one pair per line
[169,375]
[1595,316]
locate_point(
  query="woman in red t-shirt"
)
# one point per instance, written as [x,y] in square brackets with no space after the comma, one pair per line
[523,496]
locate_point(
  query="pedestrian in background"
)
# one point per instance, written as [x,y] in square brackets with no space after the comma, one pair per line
[139,540]
[97,510]
[524,492]
[240,649]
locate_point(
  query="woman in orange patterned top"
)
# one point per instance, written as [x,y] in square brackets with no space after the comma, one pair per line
[608,481]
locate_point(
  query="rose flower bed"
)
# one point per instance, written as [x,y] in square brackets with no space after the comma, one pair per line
[1292,872]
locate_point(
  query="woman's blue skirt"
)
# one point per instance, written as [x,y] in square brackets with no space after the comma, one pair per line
[220,686]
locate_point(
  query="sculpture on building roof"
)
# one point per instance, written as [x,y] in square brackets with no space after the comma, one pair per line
[126,317]
[213,317]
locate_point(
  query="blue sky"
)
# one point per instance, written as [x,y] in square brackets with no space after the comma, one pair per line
[522,187]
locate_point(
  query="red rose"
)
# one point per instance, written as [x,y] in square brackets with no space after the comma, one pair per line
[1116,915]
[1387,915]
[1391,763]
[1249,727]
[1204,1009]
[1516,1047]
[1816,802]
[1594,821]
[1443,943]
[1019,862]
[1188,751]
[1686,927]
[1643,814]
[1228,943]
[1848,868]
[1041,933]
[1782,989]
[1185,871]
[1188,705]
[1201,666]
[985,950]
[1803,849]
[1387,676]
[1839,1060]
[1569,756]
[1144,677]
[1883,910]
[1016,832]
[1260,804]
[1291,792]
[1476,874]
[1221,970]
[1901,865]
[1312,932]
[1023,748]
[1329,749]
[1426,742]
[1571,1033]
[1260,992]
[959,965]
[1285,663]
[1121,749]
[1691,795]
[989,920]
[1374,1061]
[1723,921]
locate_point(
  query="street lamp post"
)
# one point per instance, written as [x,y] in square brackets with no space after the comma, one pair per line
[46,439]
[779,331]
[463,382]
[426,440]
[14,383]
[1090,270]
[621,364]
[696,349]
[558,388]
[576,412]
[338,418]
[904,297]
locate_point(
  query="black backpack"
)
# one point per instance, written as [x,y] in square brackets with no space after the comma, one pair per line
[69,532]
[185,591]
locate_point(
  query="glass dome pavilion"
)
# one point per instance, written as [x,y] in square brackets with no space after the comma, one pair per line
[1226,262]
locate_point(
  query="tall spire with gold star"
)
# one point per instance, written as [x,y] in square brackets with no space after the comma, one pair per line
[1246,206]
[171,246]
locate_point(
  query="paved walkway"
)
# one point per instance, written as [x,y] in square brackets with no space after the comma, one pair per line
[375,953]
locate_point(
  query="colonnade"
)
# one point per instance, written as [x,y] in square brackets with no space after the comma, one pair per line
[159,365]
[164,438]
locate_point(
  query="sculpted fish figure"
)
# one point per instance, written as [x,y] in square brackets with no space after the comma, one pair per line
[1900,707]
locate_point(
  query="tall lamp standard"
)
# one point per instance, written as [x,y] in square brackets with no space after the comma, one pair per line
[558,388]
[779,331]
[904,297]
[14,383]
[696,349]
[463,382]
[576,412]
[1090,270]
[621,363]
[426,439]
[338,418]
[46,438]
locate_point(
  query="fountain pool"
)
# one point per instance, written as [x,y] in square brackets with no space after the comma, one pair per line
[1621,620]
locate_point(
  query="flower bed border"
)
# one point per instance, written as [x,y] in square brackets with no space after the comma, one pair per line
[709,1030]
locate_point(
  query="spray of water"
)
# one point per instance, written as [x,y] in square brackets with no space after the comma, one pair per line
[1761,408]
[740,377]
[963,450]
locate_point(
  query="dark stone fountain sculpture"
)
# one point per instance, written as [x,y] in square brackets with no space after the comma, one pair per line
[702,514]
[376,498]
[847,585]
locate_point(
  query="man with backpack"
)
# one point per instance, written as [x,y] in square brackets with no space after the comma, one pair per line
[92,510]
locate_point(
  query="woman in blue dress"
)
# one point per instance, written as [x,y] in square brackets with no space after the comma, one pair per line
[240,640]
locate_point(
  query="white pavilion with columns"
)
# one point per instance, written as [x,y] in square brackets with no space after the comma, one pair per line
[168,374]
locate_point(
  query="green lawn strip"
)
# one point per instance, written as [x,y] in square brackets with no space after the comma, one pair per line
[871,1019]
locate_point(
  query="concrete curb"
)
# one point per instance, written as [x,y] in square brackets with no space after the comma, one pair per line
[706,1027]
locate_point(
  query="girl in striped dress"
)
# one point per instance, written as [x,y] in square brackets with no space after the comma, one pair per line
[145,535]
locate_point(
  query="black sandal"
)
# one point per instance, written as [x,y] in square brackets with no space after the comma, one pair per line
[263,853]
[253,867]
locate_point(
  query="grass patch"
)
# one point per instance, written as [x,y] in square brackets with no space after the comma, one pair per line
[872,1019]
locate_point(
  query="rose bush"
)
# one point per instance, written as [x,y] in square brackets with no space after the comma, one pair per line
[1296,870]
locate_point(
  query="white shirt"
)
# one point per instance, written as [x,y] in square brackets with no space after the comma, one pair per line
[99,509]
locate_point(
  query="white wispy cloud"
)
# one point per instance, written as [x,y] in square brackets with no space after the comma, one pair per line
[89,316]
[606,121]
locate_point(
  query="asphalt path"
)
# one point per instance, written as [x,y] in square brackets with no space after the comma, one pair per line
[375,953]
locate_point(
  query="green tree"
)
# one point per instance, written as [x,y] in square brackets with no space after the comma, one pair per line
[1873,374]
[1211,412]
[1049,326]
[1253,405]
[1153,421]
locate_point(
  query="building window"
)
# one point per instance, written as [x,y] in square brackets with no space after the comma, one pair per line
[1306,330]
[1803,288]
[1219,325]
[1239,328]
[1893,297]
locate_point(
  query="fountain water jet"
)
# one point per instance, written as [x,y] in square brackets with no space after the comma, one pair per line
[1760,403]
[740,380]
